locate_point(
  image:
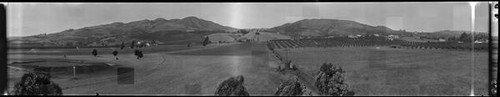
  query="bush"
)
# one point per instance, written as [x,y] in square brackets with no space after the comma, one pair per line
[36,84]
[232,87]
[330,80]
[94,52]
[291,87]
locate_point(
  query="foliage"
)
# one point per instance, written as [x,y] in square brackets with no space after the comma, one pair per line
[94,52]
[36,84]
[138,53]
[291,87]
[206,41]
[330,80]
[232,87]
[494,87]
[115,53]
[122,46]
[465,37]
[132,45]
[243,31]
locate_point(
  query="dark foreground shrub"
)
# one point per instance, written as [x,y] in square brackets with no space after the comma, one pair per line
[232,87]
[36,84]
[330,80]
[291,87]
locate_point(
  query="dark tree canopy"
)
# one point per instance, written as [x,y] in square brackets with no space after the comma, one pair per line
[465,37]
[232,87]
[115,53]
[206,41]
[122,46]
[330,80]
[36,84]
[243,31]
[291,87]
[94,52]
[132,45]
[138,53]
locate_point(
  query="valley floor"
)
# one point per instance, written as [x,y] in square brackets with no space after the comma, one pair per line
[370,71]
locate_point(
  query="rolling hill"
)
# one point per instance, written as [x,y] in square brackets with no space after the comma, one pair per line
[188,29]
[192,29]
[451,33]
[331,27]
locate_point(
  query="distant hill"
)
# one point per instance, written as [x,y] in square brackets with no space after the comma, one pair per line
[262,36]
[332,27]
[188,29]
[449,33]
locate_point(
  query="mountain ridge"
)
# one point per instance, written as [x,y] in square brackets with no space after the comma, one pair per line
[331,27]
[117,32]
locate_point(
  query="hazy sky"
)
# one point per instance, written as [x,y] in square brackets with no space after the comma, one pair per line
[31,18]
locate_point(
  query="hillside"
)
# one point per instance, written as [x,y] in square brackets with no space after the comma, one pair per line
[450,33]
[188,29]
[332,27]
[262,36]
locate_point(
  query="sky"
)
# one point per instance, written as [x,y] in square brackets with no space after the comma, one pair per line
[26,19]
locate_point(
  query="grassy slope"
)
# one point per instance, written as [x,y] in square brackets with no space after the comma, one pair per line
[387,71]
[175,74]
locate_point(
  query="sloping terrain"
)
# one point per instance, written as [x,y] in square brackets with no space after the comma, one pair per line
[171,31]
[331,27]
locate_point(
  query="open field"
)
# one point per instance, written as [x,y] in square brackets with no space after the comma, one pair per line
[176,72]
[179,70]
[392,71]
[86,51]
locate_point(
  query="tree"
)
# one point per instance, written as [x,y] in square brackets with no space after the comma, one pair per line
[133,44]
[330,80]
[206,41]
[115,53]
[140,55]
[37,84]
[232,87]
[243,31]
[94,52]
[136,53]
[122,46]
[452,38]
[291,87]
[465,37]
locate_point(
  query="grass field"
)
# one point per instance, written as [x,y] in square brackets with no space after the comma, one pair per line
[391,71]
[179,70]
[87,51]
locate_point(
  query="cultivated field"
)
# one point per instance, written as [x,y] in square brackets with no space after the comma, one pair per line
[399,71]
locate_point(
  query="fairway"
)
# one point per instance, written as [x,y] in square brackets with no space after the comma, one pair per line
[392,71]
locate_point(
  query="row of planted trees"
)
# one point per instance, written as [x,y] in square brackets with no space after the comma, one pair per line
[332,42]
[330,82]
[368,42]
